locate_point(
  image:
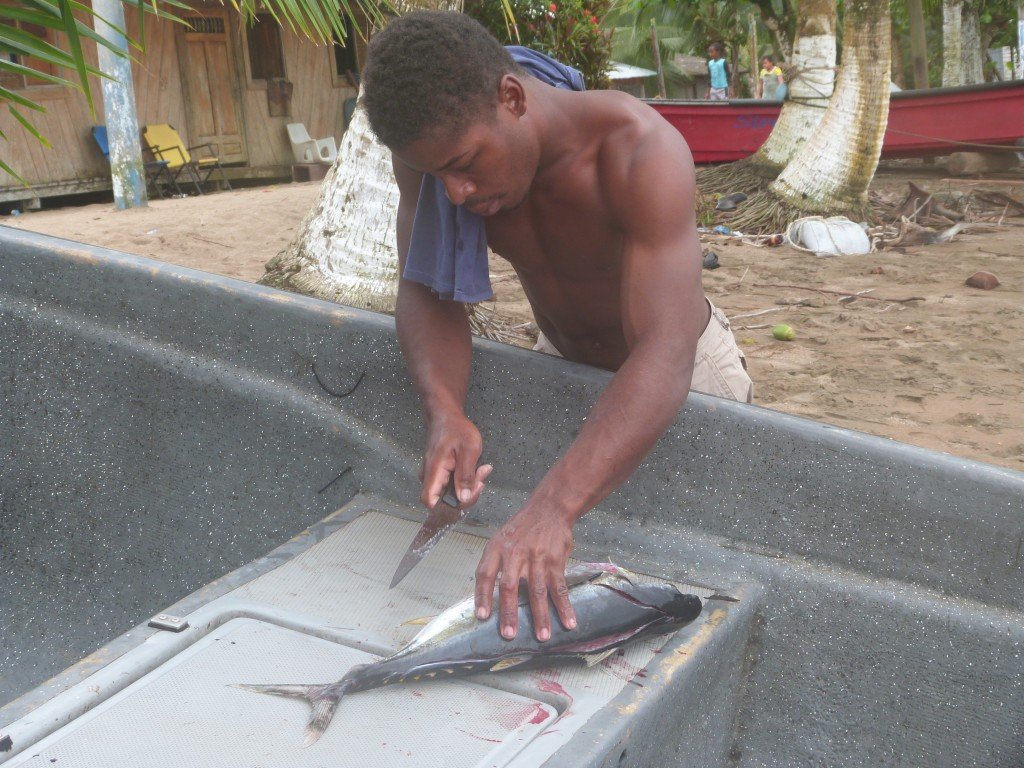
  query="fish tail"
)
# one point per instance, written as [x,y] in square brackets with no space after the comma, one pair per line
[322,698]
[288,691]
[323,705]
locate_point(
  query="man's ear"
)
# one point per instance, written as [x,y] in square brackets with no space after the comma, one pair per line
[512,95]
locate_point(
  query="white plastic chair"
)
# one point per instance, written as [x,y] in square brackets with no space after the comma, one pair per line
[307,150]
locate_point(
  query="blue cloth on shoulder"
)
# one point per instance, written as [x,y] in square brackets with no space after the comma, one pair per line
[448,248]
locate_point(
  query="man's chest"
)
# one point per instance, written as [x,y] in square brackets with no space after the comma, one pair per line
[564,237]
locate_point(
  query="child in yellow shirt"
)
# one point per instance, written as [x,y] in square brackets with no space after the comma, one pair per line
[770,83]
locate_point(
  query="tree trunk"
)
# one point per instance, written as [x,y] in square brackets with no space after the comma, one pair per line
[952,43]
[898,72]
[1018,65]
[127,172]
[783,44]
[833,169]
[810,87]
[918,44]
[345,249]
[970,36]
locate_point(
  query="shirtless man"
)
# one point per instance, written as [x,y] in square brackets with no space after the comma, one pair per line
[590,197]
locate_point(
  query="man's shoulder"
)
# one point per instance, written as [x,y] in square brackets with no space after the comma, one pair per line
[639,154]
[637,129]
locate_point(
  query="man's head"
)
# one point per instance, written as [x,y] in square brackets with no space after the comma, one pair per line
[448,100]
[431,72]
[716,50]
[767,62]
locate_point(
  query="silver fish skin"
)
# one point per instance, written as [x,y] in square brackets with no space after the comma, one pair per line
[611,609]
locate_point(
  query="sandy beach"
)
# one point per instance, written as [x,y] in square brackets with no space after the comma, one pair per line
[944,371]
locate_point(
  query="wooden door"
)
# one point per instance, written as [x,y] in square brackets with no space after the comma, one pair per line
[211,85]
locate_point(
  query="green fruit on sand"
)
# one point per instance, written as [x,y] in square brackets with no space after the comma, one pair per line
[783,332]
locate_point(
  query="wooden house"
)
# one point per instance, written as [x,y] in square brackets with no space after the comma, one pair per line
[216,80]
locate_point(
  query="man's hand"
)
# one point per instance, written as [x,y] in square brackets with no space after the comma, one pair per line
[453,447]
[533,545]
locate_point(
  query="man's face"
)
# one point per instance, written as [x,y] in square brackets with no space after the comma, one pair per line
[487,167]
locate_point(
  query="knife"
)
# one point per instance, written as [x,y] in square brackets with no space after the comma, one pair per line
[442,518]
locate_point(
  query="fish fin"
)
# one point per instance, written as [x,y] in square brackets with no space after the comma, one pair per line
[422,621]
[584,572]
[322,698]
[593,659]
[323,710]
[288,691]
[510,662]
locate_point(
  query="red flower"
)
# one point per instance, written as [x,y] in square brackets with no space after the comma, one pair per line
[552,7]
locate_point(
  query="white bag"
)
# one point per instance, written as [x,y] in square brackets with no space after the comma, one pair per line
[837,236]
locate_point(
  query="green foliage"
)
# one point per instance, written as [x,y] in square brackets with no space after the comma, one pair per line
[568,30]
[998,24]
[689,26]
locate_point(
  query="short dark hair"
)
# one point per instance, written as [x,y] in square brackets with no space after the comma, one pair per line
[768,56]
[717,47]
[430,71]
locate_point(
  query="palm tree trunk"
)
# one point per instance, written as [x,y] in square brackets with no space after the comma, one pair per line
[813,62]
[345,249]
[899,75]
[952,43]
[918,43]
[783,45]
[970,36]
[835,166]
[831,172]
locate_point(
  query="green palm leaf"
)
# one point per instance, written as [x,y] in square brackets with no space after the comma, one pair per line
[28,126]
[19,69]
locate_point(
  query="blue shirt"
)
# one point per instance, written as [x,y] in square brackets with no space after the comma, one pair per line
[718,77]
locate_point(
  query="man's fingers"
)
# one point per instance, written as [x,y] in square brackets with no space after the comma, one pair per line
[539,602]
[508,600]
[482,473]
[560,597]
[486,572]
[433,485]
[465,471]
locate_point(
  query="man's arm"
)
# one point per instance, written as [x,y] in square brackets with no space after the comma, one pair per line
[435,340]
[663,314]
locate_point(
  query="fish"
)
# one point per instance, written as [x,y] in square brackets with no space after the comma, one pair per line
[612,608]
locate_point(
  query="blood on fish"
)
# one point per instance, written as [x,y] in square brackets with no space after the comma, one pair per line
[550,686]
[533,714]
[539,716]
[621,668]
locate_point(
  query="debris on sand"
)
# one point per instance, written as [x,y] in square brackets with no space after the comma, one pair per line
[986,281]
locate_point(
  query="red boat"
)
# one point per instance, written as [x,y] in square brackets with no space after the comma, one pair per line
[921,123]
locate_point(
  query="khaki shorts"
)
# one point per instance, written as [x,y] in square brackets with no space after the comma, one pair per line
[719,367]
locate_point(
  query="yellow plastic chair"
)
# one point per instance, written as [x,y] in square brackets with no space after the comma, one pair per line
[165,144]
